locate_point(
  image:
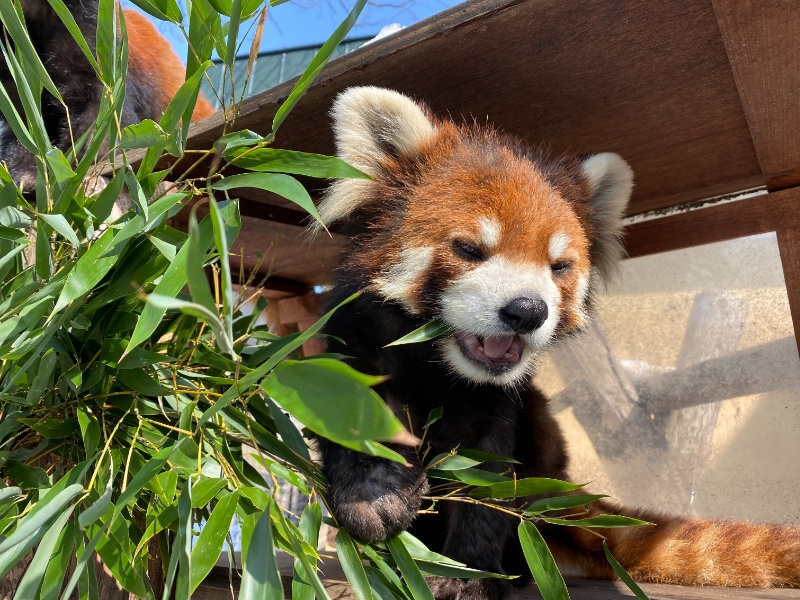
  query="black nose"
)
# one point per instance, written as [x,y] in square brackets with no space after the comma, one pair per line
[523,314]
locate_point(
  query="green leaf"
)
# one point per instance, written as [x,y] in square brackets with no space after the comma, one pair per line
[58,164]
[561,502]
[173,280]
[260,577]
[277,183]
[58,566]
[310,523]
[256,374]
[209,543]
[447,462]
[34,574]
[541,563]
[598,521]
[88,271]
[15,218]
[142,135]
[457,572]
[42,378]
[623,575]
[165,10]
[69,22]
[34,525]
[484,456]
[272,160]
[331,403]
[195,275]
[352,566]
[411,573]
[28,477]
[429,331]
[146,473]
[62,226]
[521,488]
[23,44]
[225,7]
[316,65]
[477,477]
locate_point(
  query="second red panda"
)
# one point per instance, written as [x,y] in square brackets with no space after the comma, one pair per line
[154,75]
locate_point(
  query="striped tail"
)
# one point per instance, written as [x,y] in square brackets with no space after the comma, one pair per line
[682,550]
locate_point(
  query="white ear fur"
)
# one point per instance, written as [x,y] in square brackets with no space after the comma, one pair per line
[370,123]
[610,181]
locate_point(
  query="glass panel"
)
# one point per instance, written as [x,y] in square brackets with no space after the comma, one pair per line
[685,393]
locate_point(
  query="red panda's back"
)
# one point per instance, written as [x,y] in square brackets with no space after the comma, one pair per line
[155,64]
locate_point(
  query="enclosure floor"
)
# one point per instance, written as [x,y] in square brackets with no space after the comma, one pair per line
[217,587]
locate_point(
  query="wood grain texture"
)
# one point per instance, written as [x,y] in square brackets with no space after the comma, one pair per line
[650,80]
[789,246]
[760,214]
[216,587]
[762,38]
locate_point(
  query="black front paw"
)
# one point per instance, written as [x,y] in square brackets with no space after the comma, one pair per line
[372,513]
[444,588]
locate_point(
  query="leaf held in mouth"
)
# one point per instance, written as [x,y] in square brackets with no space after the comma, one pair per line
[431,330]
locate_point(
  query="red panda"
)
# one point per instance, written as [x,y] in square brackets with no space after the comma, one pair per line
[507,246]
[154,75]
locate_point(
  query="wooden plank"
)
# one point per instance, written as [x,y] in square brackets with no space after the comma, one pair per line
[759,214]
[789,246]
[762,38]
[650,80]
[217,587]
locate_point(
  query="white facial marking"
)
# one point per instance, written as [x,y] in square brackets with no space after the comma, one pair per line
[472,303]
[398,281]
[490,231]
[581,290]
[559,244]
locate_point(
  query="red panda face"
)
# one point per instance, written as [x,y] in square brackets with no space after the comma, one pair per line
[470,227]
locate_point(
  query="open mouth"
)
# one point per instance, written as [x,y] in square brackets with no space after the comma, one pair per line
[497,353]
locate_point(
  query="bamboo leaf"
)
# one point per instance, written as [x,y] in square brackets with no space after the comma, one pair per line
[411,573]
[209,543]
[277,183]
[598,521]
[316,65]
[561,502]
[273,160]
[142,135]
[69,22]
[34,525]
[22,41]
[352,566]
[260,577]
[29,586]
[623,575]
[519,488]
[330,403]
[541,563]
[62,226]
[429,331]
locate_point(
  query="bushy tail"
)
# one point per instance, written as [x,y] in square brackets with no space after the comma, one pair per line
[686,551]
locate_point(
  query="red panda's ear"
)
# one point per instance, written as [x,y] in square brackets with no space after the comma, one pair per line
[610,182]
[370,125]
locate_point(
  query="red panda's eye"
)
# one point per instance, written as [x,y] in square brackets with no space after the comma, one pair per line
[561,267]
[468,251]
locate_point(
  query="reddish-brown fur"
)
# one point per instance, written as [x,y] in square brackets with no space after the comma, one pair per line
[152,56]
[421,200]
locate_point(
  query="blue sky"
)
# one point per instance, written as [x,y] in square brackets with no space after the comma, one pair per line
[308,22]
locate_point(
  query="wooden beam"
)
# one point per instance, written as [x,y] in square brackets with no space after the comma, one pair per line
[789,246]
[760,214]
[649,80]
[762,39]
